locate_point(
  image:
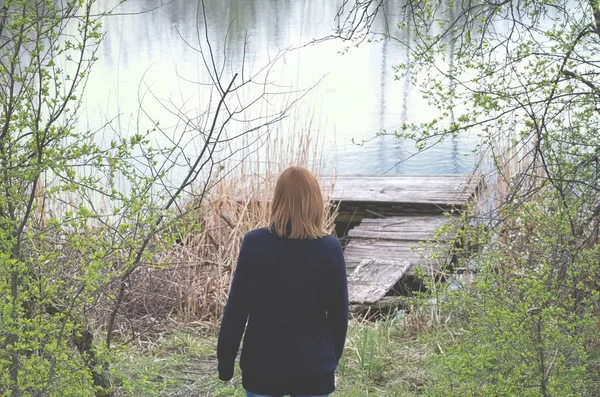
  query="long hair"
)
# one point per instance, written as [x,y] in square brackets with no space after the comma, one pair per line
[298,208]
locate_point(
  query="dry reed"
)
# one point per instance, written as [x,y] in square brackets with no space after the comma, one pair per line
[512,170]
[194,284]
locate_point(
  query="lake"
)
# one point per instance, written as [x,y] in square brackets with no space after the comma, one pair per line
[148,57]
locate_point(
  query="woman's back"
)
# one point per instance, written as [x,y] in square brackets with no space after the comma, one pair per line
[291,277]
[290,294]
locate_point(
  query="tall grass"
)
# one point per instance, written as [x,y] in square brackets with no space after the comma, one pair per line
[194,283]
[512,172]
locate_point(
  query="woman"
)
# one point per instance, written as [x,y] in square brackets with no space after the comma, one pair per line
[290,286]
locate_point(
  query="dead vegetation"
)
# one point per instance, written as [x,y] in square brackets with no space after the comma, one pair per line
[190,282]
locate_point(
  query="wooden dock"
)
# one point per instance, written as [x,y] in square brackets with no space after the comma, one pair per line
[386,220]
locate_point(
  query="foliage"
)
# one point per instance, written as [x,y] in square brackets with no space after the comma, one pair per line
[61,248]
[520,72]
[79,216]
[44,287]
[528,325]
[523,76]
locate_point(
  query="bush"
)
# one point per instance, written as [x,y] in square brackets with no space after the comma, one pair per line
[528,325]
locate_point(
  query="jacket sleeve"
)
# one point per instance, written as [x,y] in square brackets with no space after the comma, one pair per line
[235,315]
[337,311]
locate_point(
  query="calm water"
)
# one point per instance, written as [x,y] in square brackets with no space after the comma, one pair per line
[357,95]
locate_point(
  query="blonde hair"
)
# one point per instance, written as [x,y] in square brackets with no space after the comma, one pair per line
[298,208]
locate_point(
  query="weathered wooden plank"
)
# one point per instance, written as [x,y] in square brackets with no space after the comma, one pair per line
[374,251]
[402,211]
[423,182]
[389,205]
[413,228]
[424,197]
[433,263]
[370,244]
[412,257]
[381,251]
[401,220]
[408,257]
[377,271]
[429,269]
[349,211]
[385,304]
[358,250]
[372,279]
[400,227]
[428,189]
[403,225]
[354,216]
[426,268]
[377,251]
[387,190]
[441,186]
[406,235]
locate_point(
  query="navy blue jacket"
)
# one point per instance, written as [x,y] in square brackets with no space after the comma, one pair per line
[293,295]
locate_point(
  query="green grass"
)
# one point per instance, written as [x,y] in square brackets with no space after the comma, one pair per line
[380,359]
[181,362]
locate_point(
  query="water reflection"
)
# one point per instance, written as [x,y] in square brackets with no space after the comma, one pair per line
[358,96]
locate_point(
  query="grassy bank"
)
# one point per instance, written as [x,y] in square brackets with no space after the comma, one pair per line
[381,359]
[527,325]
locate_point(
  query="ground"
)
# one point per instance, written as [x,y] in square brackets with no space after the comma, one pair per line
[381,359]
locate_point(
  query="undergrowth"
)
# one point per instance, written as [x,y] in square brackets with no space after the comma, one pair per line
[383,358]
